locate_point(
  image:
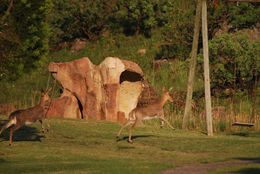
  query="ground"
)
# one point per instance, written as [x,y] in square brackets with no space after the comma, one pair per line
[74,146]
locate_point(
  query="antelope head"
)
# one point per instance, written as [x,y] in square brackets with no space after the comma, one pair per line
[166,95]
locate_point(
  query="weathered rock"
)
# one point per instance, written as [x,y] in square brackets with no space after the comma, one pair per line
[66,106]
[128,96]
[99,89]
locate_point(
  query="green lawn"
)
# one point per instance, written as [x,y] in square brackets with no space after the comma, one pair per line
[73,146]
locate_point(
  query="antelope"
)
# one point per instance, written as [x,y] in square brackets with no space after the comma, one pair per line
[152,111]
[19,118]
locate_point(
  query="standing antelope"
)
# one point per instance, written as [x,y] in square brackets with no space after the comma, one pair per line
[154,110]
[19,118]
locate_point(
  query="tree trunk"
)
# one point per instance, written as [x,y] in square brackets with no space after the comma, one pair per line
[193,62]
[206,68]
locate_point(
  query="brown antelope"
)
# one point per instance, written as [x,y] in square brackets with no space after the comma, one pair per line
[19,118]
[154,110]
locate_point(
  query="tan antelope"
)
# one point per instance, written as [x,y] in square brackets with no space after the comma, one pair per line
[19,118]
[152,111]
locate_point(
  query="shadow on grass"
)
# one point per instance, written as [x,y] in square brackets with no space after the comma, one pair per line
[134,137]
[250,159]
[23,134]
[2,160]
[251,170]
[242,134]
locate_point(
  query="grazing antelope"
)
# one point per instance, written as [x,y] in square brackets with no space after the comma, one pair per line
[154,110]
[19,118]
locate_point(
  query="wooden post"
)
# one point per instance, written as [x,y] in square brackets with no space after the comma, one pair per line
[206,68]
[193,62]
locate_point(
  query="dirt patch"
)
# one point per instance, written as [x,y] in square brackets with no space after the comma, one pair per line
[204,168]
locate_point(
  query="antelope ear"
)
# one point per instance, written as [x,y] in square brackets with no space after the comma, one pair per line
[170,89]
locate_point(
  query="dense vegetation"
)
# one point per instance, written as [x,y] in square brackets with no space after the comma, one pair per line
[32,31]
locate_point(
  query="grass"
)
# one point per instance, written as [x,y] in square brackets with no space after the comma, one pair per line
[74,146]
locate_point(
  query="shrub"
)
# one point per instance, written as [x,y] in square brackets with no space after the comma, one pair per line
[243,15]
[178,33]
[234,61]
[25,36]
[80,19]
[141,16]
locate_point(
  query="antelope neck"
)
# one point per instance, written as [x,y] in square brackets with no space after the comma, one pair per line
[163,100]
[42,102]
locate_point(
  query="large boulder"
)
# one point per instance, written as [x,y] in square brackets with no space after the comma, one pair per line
[108,91]
[66,106]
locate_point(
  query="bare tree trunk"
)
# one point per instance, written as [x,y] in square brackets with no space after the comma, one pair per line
[193,62]
[206,68]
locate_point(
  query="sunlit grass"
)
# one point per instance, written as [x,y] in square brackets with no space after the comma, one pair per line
[73,146]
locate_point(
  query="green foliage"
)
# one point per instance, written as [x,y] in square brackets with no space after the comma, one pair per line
[89,19]
[243,15]
[11,65]
[234,60]
[33,29]
[178,33]
[235,16]
[138,16]
[72,19]
[24,37]
[141,16]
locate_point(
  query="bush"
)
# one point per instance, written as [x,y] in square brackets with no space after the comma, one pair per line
[243,15]
[24,40]
[234,62]
[80,19]
[140,16]
[178,33]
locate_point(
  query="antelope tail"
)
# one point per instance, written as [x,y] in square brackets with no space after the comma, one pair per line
[8,124]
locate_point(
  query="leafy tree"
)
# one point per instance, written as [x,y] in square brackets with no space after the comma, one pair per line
[141,16]
[24,36]
[72,19]
[31,25]
[11,64]
[137,16]
[243,15]
[235,16]
[178,33]
[234,61]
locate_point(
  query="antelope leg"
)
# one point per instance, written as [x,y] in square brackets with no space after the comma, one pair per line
[162,123]
[130,131]
[11,136]
[43,128]
[166,121]
[124,126]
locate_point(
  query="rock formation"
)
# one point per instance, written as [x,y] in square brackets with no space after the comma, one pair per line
[108,91]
